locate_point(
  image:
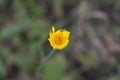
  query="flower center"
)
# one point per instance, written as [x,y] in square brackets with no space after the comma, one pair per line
[58,40]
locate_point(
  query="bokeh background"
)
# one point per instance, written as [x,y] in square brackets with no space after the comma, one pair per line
[92,54]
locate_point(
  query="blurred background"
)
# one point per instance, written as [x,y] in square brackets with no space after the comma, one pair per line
[92,54]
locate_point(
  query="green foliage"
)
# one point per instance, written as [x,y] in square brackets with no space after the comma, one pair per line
[2,2]
[4,52]
[88,60]
[55,68]
[117,30]
[2,69]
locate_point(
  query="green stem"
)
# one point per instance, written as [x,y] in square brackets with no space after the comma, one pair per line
[48,56]
[44,61]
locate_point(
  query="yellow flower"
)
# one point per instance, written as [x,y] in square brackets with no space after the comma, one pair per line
[59,39]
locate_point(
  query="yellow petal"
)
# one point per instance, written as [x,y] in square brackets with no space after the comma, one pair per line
[53,29]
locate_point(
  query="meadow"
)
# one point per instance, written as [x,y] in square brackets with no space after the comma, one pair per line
[59,40]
